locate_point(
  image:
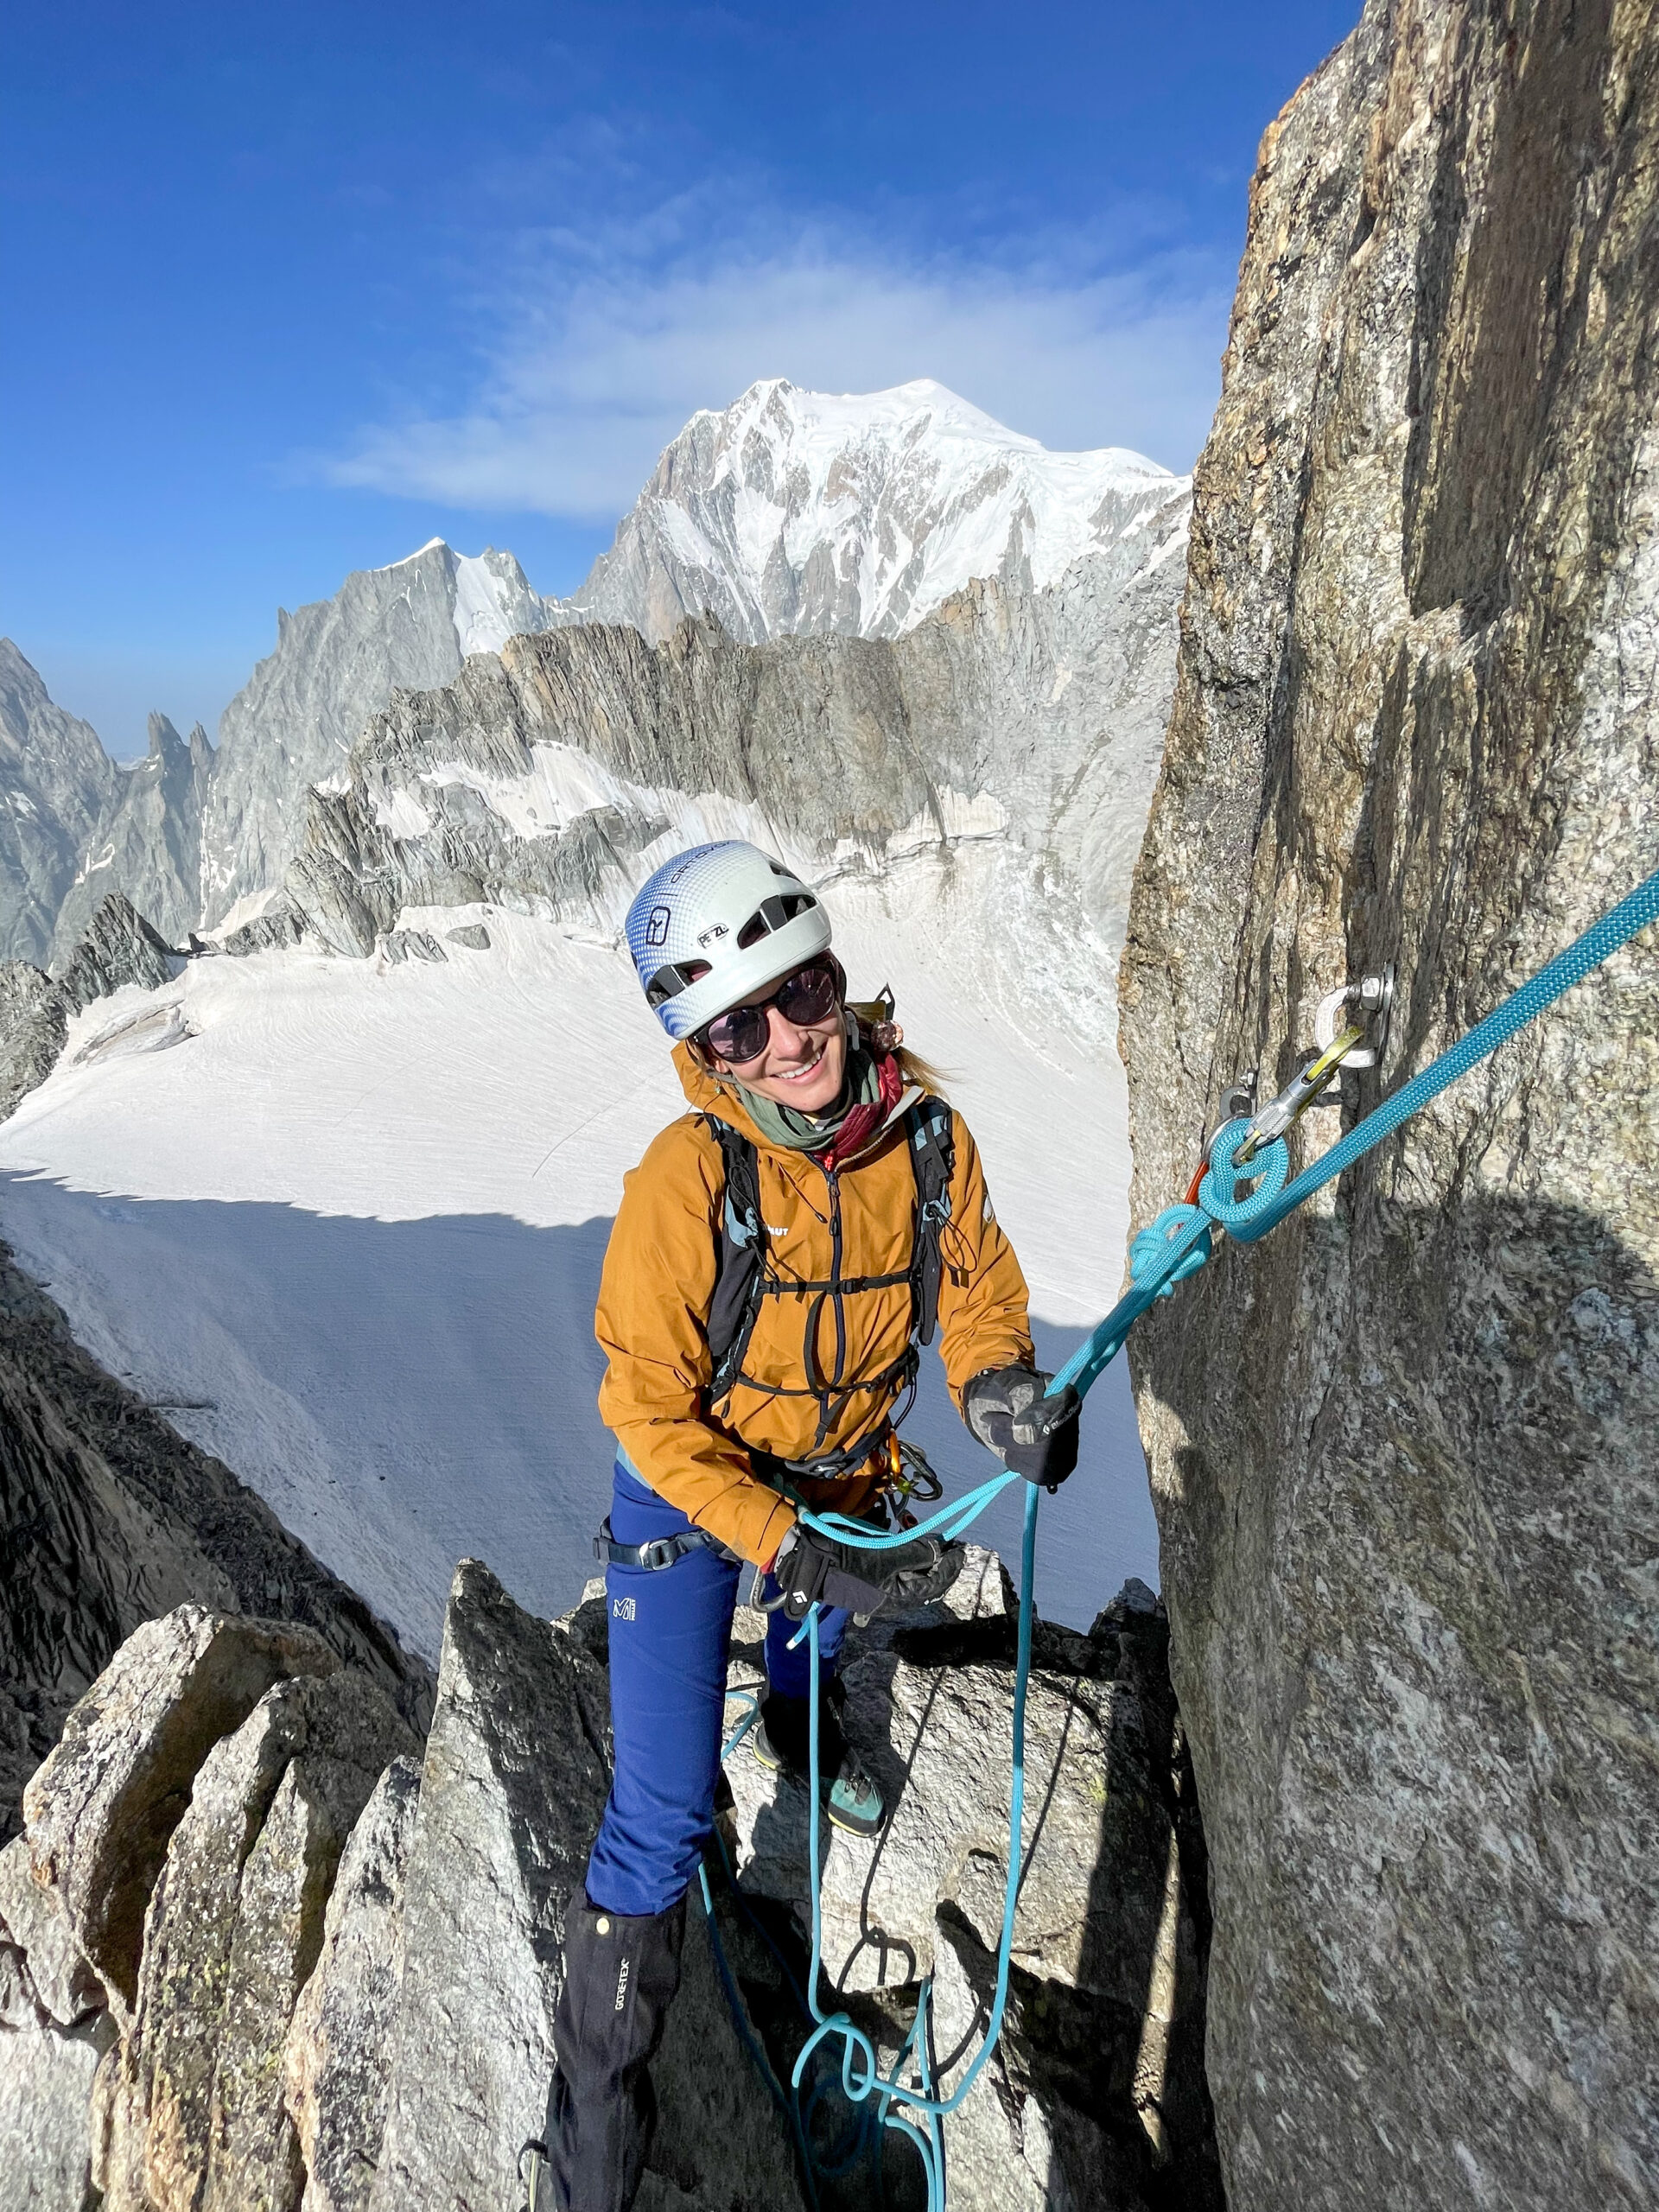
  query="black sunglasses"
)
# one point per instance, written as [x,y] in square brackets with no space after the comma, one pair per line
[811,993]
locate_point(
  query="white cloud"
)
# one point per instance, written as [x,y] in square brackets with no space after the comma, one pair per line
[597,372]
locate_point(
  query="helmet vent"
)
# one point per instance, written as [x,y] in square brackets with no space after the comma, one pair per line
[678,976]
[772,913]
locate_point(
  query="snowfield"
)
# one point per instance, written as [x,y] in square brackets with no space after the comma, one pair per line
[343,1221]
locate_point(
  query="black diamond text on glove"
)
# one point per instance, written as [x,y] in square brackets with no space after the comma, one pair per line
[811,1569]
[1037,1436]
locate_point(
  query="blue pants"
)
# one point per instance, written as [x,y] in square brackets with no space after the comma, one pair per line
[670,1636]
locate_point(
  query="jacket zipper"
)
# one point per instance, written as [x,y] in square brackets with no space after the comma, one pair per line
[834,1181]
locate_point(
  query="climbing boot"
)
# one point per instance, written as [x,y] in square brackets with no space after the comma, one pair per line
[782,1742]
[620,1974]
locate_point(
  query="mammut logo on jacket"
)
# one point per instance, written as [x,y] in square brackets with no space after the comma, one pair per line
[622,1986]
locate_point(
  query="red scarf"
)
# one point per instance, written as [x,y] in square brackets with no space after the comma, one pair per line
[862,1122]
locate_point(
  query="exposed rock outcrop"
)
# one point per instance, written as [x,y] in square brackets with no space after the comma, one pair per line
[56,780]
[120,947]
[111,1519]
[340,2052]
[34,1022]
[337,661]
[146,844]
[1403,1452]
[343,1996]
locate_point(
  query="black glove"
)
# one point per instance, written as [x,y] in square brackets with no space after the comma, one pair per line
[1034,1435]
[811,1569]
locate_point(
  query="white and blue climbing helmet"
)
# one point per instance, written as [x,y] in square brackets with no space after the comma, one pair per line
[713,925]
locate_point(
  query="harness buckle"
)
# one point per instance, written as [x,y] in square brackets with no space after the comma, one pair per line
[661,1552]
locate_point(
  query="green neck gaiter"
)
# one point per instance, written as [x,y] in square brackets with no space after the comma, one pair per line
[798,1132]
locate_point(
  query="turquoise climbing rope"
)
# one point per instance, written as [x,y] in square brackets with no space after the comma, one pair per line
[1173,1248]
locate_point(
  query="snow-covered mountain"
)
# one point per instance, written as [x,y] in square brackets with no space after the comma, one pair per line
[789,513]
[797,510]
[337,661]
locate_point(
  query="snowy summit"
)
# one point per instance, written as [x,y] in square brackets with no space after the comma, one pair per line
[803,510]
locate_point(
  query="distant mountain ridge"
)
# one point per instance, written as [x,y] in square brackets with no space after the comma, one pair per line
[790,513]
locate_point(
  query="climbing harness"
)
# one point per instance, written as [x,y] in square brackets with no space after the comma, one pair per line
[1174,1247]
[661,1552]
[744,1275]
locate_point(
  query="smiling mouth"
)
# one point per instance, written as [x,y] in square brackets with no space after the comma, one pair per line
[799,1075]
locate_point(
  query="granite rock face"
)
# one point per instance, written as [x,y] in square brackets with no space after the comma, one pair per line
[337,661]
[196,2111]
[99,1815]
[33,1026]
[350,1947]
[146,844]
[1402,1452]
[1095,2096]
[339,2055]
[514,1780]
[56,780]
[118,947]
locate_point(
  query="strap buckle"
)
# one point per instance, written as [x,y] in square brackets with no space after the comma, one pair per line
[660,1552]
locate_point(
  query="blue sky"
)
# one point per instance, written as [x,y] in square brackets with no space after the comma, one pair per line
[290,290]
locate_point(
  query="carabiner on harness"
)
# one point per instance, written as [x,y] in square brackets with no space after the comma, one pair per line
[907,1475]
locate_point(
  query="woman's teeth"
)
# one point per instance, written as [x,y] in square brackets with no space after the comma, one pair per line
[796,1075]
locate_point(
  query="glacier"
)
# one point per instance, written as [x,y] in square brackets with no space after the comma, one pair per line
[342,1221]
[341,1218]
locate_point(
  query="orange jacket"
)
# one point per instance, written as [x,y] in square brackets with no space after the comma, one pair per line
[659,1283]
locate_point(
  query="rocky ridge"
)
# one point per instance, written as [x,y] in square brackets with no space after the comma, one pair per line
[539,780]
[146,846]
[337,661]
[55,781]
[258,1948]
[1402,1452]
[112,1518]
[120,947]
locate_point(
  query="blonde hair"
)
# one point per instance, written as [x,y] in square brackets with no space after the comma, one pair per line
[871,1013]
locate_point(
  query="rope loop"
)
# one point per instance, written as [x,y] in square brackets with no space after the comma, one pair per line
[1218,1193]
[1152,1245]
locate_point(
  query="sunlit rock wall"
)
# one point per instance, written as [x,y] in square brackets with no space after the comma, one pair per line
[1404,1452]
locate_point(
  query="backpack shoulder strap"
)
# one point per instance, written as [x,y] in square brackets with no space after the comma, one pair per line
[933,1160]
[739,1251]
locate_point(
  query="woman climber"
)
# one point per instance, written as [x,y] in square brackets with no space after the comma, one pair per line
[778,1255]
